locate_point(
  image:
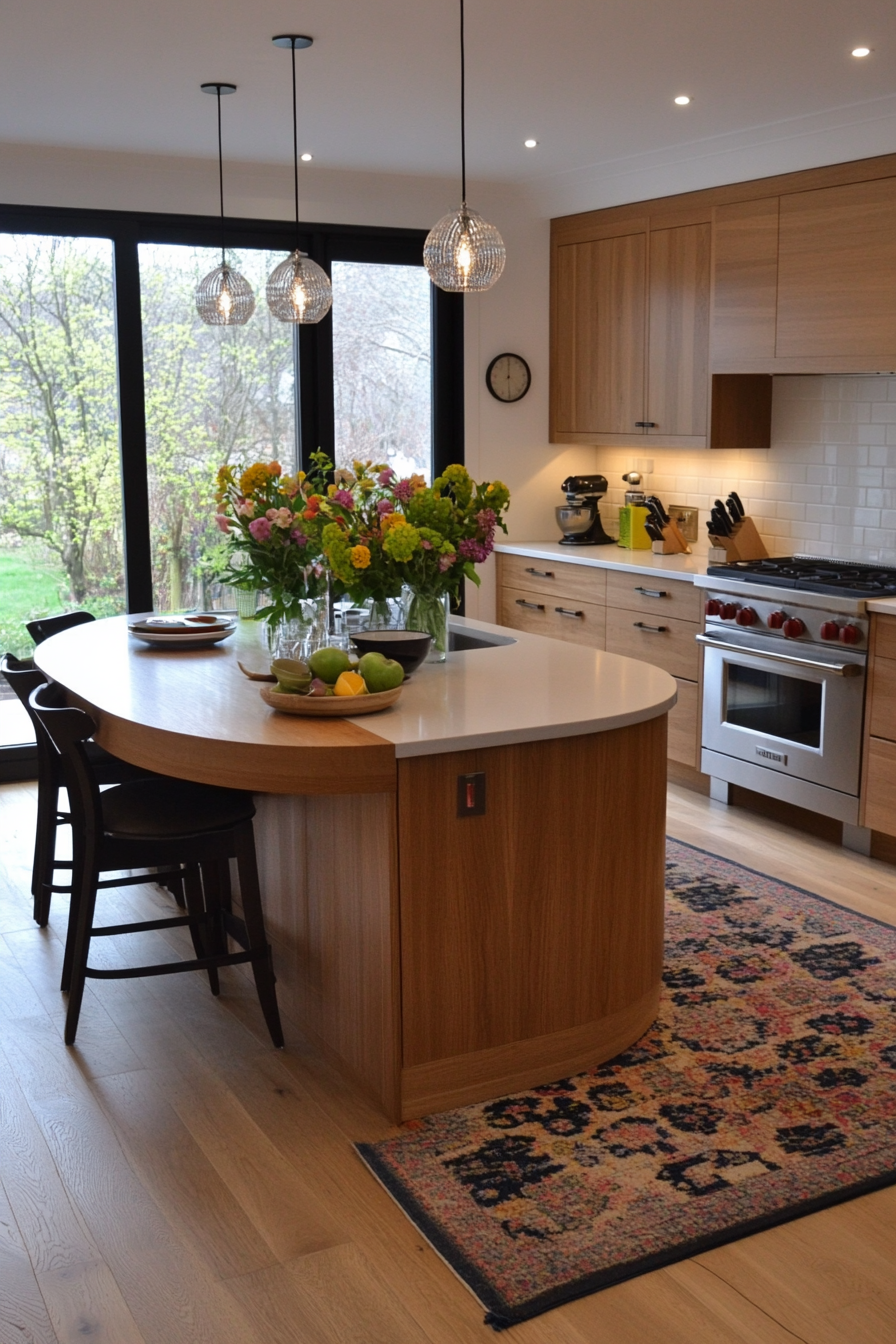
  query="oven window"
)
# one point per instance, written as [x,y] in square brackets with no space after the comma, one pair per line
[774,704]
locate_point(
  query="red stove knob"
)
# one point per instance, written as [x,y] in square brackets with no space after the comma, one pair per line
[850,634]
[713,607]
[776,620]
[793,627]
[729,611]
[746,616]
[830,630]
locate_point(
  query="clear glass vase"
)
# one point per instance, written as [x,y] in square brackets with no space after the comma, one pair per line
[429,612]
[301,631]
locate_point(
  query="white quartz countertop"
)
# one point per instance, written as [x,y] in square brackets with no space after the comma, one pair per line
[609,557]
[524,688]
[527,690]
[883,606]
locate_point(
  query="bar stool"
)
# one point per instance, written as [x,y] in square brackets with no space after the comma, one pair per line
[24,677]
[186,829]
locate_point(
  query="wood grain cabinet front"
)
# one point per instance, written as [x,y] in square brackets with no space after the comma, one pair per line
[878,797]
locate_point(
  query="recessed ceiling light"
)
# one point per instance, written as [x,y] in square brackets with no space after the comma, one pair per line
[682,100]
[861,51]
[530,144]
[306,158]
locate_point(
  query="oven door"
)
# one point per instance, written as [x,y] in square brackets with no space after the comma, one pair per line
[787,709]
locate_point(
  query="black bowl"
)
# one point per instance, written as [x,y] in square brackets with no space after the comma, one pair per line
[408,647]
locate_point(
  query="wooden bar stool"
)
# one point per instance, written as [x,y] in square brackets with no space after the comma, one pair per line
[150,823]
[24,677]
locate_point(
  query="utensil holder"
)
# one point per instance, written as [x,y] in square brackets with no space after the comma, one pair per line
[673,542]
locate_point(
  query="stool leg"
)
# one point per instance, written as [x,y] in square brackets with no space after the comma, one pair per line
[44,849]
[262,966]
[84,882]
[202,940]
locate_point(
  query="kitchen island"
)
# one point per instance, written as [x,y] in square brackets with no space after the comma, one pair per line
[439,958]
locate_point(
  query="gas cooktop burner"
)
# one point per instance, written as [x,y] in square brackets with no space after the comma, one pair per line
[812,576]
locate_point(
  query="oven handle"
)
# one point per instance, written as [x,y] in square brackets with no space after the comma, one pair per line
[839,669]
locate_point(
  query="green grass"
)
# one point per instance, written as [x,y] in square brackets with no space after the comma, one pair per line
[31,584]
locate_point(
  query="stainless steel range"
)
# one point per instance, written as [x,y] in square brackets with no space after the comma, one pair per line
[785,645]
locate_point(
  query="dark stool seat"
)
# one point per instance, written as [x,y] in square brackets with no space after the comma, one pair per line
[154,823]
[24,677]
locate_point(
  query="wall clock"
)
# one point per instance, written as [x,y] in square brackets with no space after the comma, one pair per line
[508,377]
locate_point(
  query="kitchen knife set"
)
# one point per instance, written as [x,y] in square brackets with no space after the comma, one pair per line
[662,530]
[731,531]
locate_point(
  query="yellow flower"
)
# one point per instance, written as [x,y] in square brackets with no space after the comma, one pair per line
[418,482]
[225,476]
[360,556]
[393,520]
[254,478]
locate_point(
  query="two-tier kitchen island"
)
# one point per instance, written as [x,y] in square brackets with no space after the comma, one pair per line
[439,958]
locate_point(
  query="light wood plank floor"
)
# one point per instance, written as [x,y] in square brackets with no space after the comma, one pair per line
[174,1180]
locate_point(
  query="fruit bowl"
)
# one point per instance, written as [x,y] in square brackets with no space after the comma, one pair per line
[407,647]
[329,706]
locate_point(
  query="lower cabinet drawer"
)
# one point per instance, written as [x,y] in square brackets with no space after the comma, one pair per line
[882,707]
[559,578]
[879,796]
[684,723]
[662,640]
[554,616]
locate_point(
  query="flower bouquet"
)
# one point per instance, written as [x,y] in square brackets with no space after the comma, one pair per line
[273,524]
[386,534]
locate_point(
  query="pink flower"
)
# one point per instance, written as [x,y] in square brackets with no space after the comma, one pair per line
[223,522]
[345,498]
[260,530]
[445,563]
[280,517]
[403,491]
[298,537]
[386,477]
[427,545]
[474,550]
[246,507]
[384,506]
[486,519]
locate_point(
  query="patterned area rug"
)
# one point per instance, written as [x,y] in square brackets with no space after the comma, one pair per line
[765,1090]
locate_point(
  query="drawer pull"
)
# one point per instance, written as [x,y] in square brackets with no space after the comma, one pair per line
[530,606]
[565,611]
[652,592]
[651,629]
[540,573]
[646,424]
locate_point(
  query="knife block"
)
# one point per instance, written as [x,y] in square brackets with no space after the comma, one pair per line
[673,543]
[744,543]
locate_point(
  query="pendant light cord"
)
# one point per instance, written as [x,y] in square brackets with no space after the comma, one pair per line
[463,129]
[295,140]
[221,176]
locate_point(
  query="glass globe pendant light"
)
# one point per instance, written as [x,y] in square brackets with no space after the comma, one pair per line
[224,298]
[463,253]
[298,290]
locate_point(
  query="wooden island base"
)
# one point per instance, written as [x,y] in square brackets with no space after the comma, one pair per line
[444,960]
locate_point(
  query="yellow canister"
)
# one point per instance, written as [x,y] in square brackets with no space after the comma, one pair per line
[632,533]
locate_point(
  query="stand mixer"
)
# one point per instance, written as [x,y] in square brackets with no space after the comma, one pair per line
[579,518]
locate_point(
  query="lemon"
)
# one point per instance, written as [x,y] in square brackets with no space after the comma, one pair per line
[349,683]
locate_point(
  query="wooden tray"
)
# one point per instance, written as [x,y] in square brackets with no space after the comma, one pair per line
[329,706]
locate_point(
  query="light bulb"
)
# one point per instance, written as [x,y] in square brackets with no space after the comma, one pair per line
[464,256]
[298,298]
[225,304]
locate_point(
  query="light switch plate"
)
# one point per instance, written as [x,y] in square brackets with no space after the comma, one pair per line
[685,518]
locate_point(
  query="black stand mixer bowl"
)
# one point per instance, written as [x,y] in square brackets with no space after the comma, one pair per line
[579,518]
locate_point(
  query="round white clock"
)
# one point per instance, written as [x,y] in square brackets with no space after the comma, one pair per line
[508,377]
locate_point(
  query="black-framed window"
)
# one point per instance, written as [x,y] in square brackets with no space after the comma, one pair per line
[312,347]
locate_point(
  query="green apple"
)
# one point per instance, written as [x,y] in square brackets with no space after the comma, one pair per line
[328,663]
[380,673]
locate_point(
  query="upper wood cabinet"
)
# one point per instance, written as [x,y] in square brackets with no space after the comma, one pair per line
[631,336]
[745,281]
[837,272]
[598,371]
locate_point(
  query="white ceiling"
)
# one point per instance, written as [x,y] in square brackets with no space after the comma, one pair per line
[592,82]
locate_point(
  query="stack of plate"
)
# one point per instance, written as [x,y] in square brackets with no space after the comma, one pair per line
[183,632]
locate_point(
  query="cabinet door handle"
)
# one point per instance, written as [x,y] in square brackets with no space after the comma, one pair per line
[646,424]
[540,573]
[530,606]
[565,611]
[652,592]
[651,629]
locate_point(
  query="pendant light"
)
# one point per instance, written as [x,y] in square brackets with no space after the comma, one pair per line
[463,253]
[224,298]
[298,290]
